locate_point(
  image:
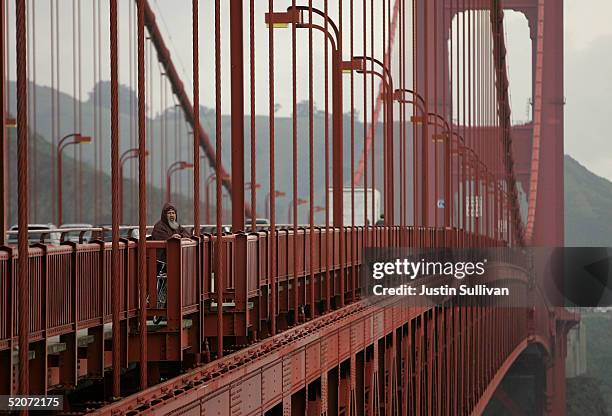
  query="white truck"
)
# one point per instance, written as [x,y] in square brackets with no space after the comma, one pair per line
[360,200]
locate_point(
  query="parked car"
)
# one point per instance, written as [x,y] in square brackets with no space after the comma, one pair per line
[124,232]
[37,233]
[212,229]
[79,235]
[261,224]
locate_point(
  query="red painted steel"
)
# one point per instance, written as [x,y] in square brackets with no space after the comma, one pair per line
[142,196]
[90,263]
[195,23]
[272,321]
[3,148]
[22,193]
[115,288]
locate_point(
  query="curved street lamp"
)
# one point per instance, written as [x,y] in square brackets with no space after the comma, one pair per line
[317,208]
[77,138]
[212,177]
[125,156]
[295,15]
[387,81]
[300,201]
[175,167]
[277,194]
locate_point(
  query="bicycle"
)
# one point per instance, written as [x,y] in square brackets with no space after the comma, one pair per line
[162,289]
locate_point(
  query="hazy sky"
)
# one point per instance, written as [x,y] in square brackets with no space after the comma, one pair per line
[588,61]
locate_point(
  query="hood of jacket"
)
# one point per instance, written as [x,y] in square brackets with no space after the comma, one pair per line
[164,214]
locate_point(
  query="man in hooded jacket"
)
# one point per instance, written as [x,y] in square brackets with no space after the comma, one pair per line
[168,225]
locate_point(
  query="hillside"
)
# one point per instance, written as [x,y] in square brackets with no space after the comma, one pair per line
[168,140]
[39,150]
[588,207]
[599,364]
[588,198]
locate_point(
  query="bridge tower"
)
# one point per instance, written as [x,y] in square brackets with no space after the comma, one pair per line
[539,166]
[432,56]
[549,221]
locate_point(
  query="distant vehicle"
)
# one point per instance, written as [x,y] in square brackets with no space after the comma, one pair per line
[37,233]
[212,229]
[260,224]
[75,236]
[124,232]
[360,209]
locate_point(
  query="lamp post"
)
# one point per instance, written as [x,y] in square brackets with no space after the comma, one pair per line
[176,166]
[277,194]
[419,102]
[251,187]
[317,208]
[125,156]
[77,138]
[387,80]
[209,180]
[300,201]
[444,138]
[295,16]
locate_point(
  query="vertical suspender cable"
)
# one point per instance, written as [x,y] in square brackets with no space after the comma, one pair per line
[374,116]
[4,159]
[117,280]
[132,190]
[326,135]
[196,116]
[54,114]
[415,182]
[353,234]
[385,151]
[401,125]
[337,158]
[32,70]
[22,193]
[80,112]
[196,146]
[294,165]
[310,158]
[99,105]
[75,173]
[58,108]
[96,173]
[220,257]
[142,195]
[365,128]
[253,126]
[436,106]
[342,240]
[272,267]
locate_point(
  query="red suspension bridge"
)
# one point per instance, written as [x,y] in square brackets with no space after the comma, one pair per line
[266,315]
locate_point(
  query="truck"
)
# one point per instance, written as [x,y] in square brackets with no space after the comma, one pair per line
[360,200]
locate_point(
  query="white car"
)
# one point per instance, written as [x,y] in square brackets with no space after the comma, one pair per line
[79,234]
[37,233]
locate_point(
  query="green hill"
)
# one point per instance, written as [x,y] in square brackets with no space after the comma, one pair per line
[168,140]
[40,151]
[588,198]
[588,207]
